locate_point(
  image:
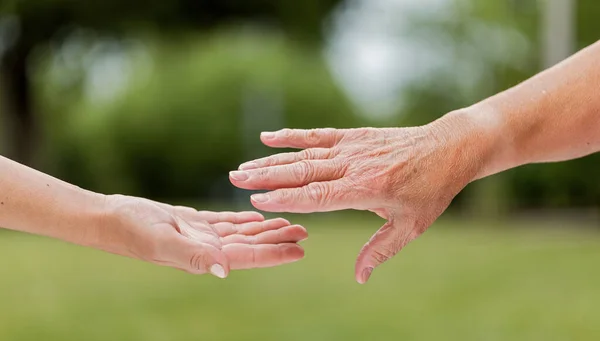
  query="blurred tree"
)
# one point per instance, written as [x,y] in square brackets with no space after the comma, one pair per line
[552,185]
[180,125]
[39,22]
[491,46]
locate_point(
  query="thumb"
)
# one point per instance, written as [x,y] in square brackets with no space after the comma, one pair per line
[200,258]
[383,245]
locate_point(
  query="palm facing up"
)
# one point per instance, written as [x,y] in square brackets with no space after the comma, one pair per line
[197,241]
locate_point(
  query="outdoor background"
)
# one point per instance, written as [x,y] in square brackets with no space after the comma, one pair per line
[162,98]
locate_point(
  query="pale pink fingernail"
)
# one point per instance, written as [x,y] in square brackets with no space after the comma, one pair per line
[217,270]
[248,165]
[239,176]
[267,135]
[260,197]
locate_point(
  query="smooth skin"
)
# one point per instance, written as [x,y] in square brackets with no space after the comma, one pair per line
[198,242]
[409,176]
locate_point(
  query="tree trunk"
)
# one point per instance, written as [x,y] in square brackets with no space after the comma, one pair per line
[17,108]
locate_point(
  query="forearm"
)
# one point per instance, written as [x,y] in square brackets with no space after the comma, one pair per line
[553,116]
[33,202]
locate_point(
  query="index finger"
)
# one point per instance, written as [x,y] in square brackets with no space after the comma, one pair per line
[302,138]
[324,196]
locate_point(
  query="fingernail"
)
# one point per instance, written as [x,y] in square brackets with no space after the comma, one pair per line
[267,135]
[239,176]
[248,165]
[366,274]
[217,270]
[260,197]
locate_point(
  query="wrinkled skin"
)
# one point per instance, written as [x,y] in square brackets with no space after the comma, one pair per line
[196,241]
[408,176]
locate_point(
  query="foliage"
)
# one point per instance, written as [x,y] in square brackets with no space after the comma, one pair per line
[510,28]
[198,94]
[195,113]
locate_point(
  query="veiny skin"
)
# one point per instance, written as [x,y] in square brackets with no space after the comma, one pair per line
[180,237]
[409,176]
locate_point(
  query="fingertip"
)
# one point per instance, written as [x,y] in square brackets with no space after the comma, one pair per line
[268,138]
[254,216]
[260,198]
[220,262]
[302,232]
[277,223]
[293,251]
[283,222]
[263,202]
[295,233]
[267,135]
[280,200]
[363,274]
[248,165]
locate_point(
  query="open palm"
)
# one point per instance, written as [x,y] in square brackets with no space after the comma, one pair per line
[201,241]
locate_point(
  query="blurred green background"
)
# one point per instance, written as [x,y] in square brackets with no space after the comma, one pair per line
[162,98]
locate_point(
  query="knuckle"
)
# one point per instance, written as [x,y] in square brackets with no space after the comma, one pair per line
[287,158]
[313,136]
[326,131]
[252,240]
[306,154]
[286,132]
[317,193]
[224,216]
[266,162]
[364,133]
[389,247]
[198,261]
[303,171]
[263,174]
[333,152]
[314,154]
[253,257]
[282,196]
[384,252]
[359,132]
[338,166]
[379,257]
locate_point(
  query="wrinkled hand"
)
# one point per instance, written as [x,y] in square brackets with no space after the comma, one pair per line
[408,176]
[197,241]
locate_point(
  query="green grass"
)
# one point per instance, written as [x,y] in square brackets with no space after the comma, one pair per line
[470,283]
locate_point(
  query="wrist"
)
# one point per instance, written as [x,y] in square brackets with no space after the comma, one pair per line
[477,136]
[93,217]
[104,221]
[111,229]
